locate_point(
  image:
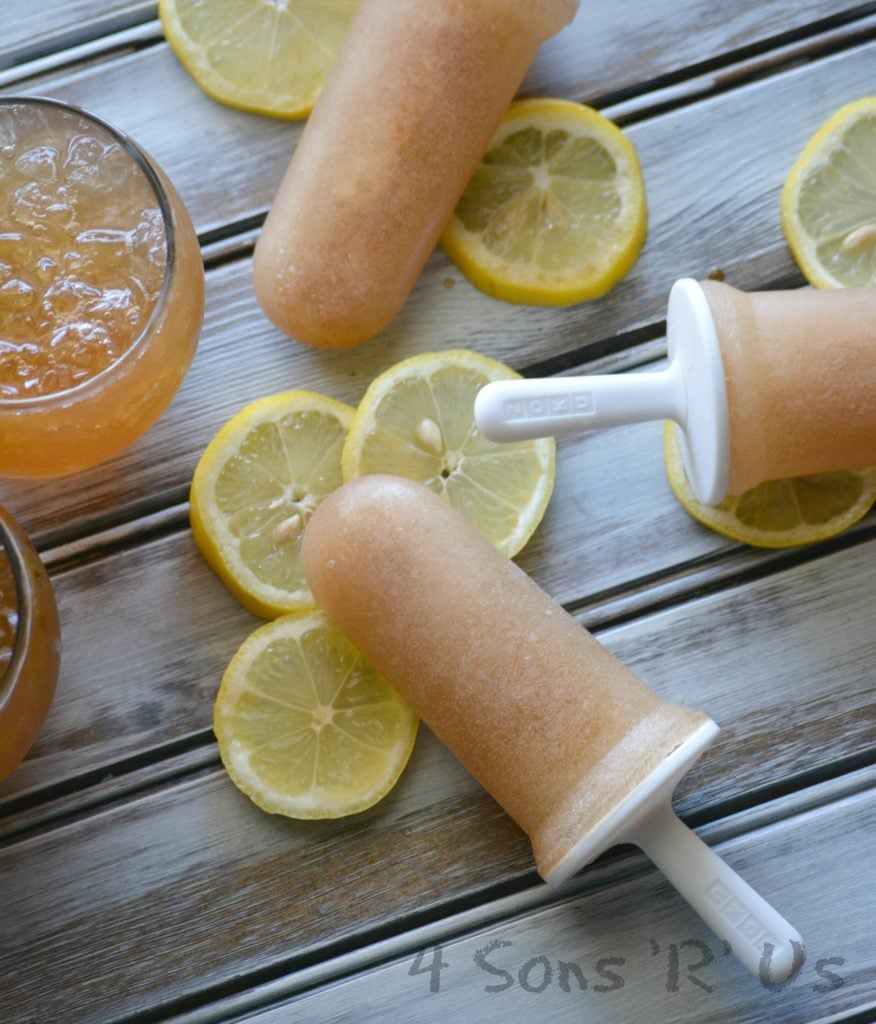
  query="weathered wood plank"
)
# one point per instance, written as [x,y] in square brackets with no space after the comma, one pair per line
[710,207]
[655,41]
[147,633]
[639,948]
[189,886]
[268,994]
[33,30]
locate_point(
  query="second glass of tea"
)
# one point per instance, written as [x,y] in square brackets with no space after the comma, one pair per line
[30,644]
[101,289]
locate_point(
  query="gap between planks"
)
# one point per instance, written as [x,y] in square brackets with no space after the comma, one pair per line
[88,51]
[724,569]
[257,991]
[700,82]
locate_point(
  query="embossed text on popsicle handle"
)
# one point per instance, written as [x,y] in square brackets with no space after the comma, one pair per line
[742,919]
[543,407]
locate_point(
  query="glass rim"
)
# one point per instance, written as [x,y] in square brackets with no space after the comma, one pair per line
[24,597]
[165,206]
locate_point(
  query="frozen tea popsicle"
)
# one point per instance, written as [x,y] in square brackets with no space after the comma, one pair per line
[800,369]
[578,750]
[764,385]
[409,108]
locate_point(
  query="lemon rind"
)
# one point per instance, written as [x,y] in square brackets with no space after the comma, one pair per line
[524,284]
[211,535]
[363,423]
[308,807]
[288,107]
[816,151]
[723,522]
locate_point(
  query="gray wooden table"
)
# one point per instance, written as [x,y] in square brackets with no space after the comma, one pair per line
[138,885]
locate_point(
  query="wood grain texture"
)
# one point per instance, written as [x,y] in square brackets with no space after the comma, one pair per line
[147,634]
[714,182]
[655,41]
[31,30]
[163,894]
[637,947]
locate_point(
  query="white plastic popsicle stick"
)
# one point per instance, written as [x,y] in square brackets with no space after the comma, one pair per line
[761,939]
[514,410]
[691,391]
[729,905]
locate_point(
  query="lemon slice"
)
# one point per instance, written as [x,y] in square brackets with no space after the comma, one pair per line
[829,200]
[254,491]
[305,726]
[555,213]
[417,420]
[777,513]
[269,56]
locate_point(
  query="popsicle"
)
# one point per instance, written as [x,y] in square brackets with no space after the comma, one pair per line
[764,385]
[409,107]
[578,750]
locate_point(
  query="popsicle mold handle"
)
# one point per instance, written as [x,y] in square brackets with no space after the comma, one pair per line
[759,936]
[692,391]
[514,410]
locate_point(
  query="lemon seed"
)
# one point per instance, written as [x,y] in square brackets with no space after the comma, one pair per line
[863,235]
[289,529]
[429,435]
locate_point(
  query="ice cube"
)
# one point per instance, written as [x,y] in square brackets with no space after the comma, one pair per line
[38,164]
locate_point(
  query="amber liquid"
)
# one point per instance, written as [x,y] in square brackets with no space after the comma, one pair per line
[99,315]
[29,644]
[8,613]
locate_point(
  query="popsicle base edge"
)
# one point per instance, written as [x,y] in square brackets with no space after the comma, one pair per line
[656,788]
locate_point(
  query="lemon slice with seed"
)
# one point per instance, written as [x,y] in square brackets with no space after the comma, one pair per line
[268,56]
[417,420]
[556,212]
[305,726]
[777,513]
[829,200]
[254,491]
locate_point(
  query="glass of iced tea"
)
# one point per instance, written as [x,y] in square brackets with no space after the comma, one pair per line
[101,289]
[30,644]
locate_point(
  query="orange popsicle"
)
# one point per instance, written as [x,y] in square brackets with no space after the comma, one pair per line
[578,750]
[409,108]
[764,385]
[800,369]
[546,718]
